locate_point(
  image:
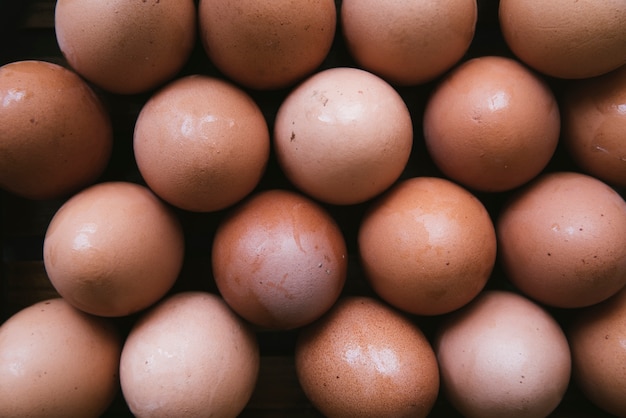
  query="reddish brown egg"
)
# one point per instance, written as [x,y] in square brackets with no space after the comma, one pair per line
[113,249]
[267,44]
[56,361]
[279,259]
[427,246]
[55,135]
[562,240]
[366,359]
[201,143]
[491,124]
[408,42]
[503,356]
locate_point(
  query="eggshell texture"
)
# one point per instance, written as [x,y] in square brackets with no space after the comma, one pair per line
[113,249]
[189,356]
[343,136]
[55,134]
[562,240]
[427,246]
[564,38]
[201,143]
[279,260]
[267,44]
[491,124]
[594,125]
[597,337]
[408,42]
[56,361]
[503,356]
[126,47]
[365,359]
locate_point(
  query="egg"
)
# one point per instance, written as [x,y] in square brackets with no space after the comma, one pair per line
[113,249]
[491,124]
[597,337]
[427,246]
[55,133]
[408,42]
[366,359]
[201,143]
[267,45]
[343,136]
[566,39]
[56,361]
[191,356]
[279,259]
[504,356]
[126,47]
[562,240]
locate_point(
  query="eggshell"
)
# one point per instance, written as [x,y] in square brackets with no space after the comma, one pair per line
[190,356]
[597,337]
[562,240]
[201,143]
[343,136]
[366,359]
[267,45]
[279,259]
[56,361]
[55,134]
[427,246]
[564,38]
[113,249]
[408,42]
[126,47]
[491,124]
[503,356]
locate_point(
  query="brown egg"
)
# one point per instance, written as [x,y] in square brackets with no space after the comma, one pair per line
[564,38]
[191,356]
[56,361]
[113,249]
[343,136]
[427,246]
[594,125]
[503,356]
[279,259]
[365,359]
[126,47]
[55,134]
[562,240]
[408,42]
[597,338]
[491,124]
[267,44]
[201,143]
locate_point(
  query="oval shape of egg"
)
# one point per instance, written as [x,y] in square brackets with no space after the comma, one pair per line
[566,39]
[201,143]
[189,355]
[427,246]
[408,42]
[279,259]
[502,356]
[113,249]
[491,124]
[343,136]
[56,361]
[366,359]
[55,134]
[597,338]
[267,45]
[126,47]
[594,125]
[562,240]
